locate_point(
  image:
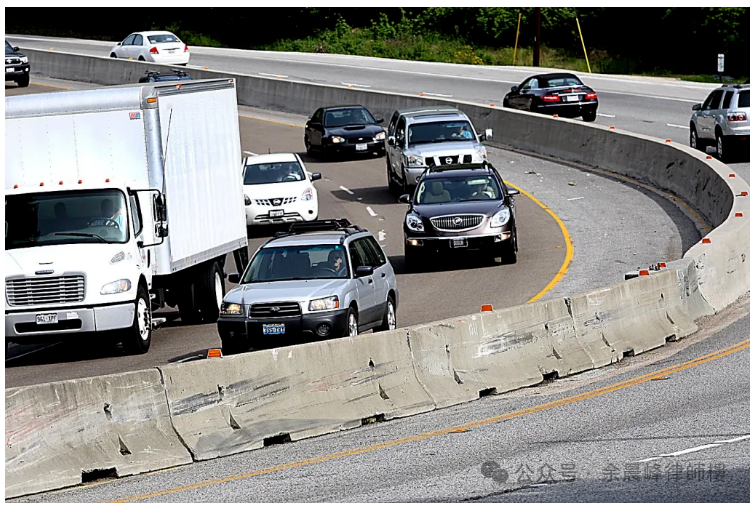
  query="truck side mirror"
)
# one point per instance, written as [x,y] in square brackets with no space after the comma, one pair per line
[488,135]
[162,214]
[161,231]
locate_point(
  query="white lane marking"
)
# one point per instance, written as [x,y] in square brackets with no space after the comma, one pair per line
[381,236]
[437,94]
[357,85]
[606,115]
[251,153]
[575,198]
[270,75]
[346,190]
[732,440]
[717,443]
[372,213]
[677,126]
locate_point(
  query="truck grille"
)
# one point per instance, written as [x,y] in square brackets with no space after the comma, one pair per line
[275,202]
[12,61]
[456,223]
[448,160]
[267,310]
[45,291]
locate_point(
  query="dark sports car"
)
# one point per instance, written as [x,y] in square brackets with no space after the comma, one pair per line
[559,93]
[344,129]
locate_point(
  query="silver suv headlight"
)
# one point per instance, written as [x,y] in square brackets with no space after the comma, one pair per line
[414,161]
[414,223]
[231,309]
[501,218]
[481,155]
[328,303]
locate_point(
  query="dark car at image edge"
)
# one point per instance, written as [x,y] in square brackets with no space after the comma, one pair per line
[560,93]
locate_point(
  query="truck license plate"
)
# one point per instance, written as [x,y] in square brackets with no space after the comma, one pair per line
[276,213]
[572,98]
[361,147]
[459,243]
[273,329]
[47,318]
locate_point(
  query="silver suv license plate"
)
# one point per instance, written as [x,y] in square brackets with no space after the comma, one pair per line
[273,329]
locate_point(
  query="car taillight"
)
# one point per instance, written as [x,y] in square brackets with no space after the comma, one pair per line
[591,96]
[153,51]
[551,98]
[736,117]
[186,48]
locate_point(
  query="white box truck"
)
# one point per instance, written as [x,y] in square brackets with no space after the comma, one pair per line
[120,201]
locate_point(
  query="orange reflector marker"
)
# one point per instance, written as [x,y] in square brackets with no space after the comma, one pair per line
[732,175]
[492,105]
[644,272]
[206,68]
[668,140]
[178,86]
[42,184]
[421,94]
[708,157]
[107,180]
[661,264]
[214,353]
[79,182]
[555,116]
[706,240]
[152,100]
[486,308]
[738,214]
[612,127]
[743,194]
[15,186]
[60,183]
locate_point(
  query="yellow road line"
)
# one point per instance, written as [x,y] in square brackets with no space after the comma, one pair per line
[502,417]
[271,121]
[51,86]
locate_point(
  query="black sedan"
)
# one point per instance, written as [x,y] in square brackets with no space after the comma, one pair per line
[459,208]
[344,129]
[559,93]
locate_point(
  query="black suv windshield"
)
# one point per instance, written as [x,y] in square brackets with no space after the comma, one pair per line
[744,99]
[303,262]
[276,172]
[352,116]
[8,48]
[440,131]
[55,218]
[458,189]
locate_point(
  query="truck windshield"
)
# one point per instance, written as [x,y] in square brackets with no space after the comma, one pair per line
[441,131]
[56,218]
[305,262]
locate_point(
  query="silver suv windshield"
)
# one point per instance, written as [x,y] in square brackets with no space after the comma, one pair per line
[277,172]
[458,189]
[744,99]
[302,262]
[440,131]
[55,218]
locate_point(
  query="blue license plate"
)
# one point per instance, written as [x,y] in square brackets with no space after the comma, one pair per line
[273,329]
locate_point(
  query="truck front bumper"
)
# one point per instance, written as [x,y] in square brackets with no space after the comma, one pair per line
[23,327]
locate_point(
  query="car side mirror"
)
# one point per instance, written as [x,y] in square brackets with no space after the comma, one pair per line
[15,48]
[391,141]
[234,278]
[512,192]
[514,89]
[697,107]
[379,120]
[405,198]
[488,134]
[365,271]
[316,176]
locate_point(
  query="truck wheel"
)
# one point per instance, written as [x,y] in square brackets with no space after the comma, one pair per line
[23,81]
[137,338]
[211,291]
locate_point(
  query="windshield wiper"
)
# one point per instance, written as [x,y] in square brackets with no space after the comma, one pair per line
[82,234]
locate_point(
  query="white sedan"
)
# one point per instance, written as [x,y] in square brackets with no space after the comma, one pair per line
[278,189]
[157,47]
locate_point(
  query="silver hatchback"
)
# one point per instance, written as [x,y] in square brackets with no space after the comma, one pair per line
[322,279]
[722,120]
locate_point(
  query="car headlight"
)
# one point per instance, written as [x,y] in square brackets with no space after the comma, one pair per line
[414,161]
[380,136]
[307,195]
[24,59]
[501,218]
[414,223]
[337,139]
[247,201]
[480,155]
[116,287]
[328,303]
[231,309]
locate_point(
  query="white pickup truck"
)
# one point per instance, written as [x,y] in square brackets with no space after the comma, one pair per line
[120,201]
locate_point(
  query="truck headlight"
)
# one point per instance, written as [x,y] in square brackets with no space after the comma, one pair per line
[337,139]
[380,136]
[230,309]
[480,155]
[501,218]
[116,287]
[414,223]
[307,195]
[328,303]
[414,161]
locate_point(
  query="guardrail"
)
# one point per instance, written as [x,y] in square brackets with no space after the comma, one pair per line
[223,406]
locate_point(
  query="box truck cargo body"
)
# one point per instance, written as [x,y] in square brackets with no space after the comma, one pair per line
[119,201]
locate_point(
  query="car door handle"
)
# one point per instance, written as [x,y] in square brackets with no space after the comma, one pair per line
[382,275]
[369,281]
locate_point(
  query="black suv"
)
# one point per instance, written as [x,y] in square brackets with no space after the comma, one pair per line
[153,76]
[16,66]
[460,207]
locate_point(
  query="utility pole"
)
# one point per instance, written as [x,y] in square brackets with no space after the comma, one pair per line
[536,54]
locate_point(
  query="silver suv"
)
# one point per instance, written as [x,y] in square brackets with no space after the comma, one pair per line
[419,138]
[723,119]
[322,279]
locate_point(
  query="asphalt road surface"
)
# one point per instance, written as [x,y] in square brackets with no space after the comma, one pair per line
[611,228]
[671,425]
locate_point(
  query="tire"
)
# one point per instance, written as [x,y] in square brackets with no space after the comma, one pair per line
[694,141]
[138,338]
[308,146]
[113,55]
[141,59]
[352,323]
[211,289]
[506,102]
[389,319]
[23,81]
[403,188]
[722,147]
[590,115]
[392,186]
